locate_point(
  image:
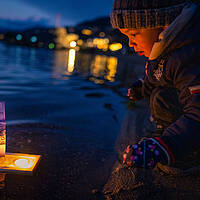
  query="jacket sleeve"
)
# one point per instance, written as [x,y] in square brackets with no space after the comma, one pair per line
[147,87]
[183,136]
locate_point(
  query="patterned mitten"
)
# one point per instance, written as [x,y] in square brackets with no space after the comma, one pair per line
[146,154]
[134,93]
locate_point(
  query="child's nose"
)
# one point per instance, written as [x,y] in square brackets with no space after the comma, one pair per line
[132,44]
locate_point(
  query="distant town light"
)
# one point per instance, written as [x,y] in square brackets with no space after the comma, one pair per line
[18,37]
[1,36]
[106,40]
[102,34]
[115,46]
[34,39]
[72,44]
[51,45]
[90,43]
[86,32]
[101,43]
[80,42]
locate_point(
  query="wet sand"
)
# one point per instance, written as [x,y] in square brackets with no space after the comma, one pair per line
[70,168]
[73,165]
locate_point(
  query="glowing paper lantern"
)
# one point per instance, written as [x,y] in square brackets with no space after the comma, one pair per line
[19,163]
[14,162]
[22,163]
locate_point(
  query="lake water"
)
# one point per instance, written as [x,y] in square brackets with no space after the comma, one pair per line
[68,107]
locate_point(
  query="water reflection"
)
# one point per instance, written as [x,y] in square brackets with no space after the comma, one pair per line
[112,68]
[71,60]
[100,68]
[60,64]
[18,55]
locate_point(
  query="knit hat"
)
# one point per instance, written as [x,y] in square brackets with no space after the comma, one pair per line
[139,14]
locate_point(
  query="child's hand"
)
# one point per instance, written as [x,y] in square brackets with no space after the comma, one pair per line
[134,93]
[146,154]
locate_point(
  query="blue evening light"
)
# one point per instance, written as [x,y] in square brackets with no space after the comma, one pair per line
[33,39]
[18,37]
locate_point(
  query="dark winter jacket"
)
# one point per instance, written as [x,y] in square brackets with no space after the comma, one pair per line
[179,67]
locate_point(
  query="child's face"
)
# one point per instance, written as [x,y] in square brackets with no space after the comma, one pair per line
[142,39]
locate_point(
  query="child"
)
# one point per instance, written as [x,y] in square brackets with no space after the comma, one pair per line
[167,33]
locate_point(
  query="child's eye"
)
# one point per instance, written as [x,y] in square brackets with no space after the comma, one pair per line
[133,35]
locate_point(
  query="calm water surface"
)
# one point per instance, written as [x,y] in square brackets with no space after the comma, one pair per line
[55,87]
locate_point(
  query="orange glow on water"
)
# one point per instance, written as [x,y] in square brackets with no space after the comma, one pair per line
[71,61]
[112,68]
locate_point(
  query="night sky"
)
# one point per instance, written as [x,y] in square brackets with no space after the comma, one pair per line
[71,12]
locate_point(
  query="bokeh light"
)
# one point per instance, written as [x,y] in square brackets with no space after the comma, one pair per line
[102,34]
[51,45]
[18,37]
[34,39]
[72,44]
[115,46]
[86,32]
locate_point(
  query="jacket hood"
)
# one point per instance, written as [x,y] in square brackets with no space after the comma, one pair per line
[185,30]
